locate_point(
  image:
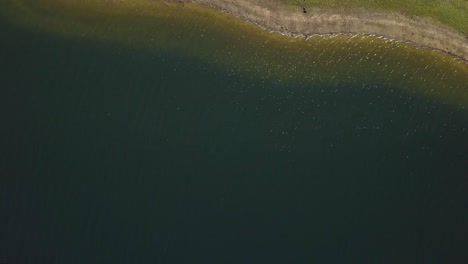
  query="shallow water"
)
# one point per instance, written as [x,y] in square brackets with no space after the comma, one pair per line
[245,147]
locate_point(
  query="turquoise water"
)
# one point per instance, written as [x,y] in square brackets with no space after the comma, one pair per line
[113,154]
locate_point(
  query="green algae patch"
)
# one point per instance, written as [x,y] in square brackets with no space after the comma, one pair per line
[243,48]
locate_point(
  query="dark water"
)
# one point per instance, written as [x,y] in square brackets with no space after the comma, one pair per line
[111,155]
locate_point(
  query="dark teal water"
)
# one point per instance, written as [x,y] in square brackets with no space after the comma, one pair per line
[111,155]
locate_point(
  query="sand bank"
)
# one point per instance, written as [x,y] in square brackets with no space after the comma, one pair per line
[292,21]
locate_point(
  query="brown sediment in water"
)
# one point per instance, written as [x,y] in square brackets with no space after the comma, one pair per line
[292,21]
[218,38]
[271,15]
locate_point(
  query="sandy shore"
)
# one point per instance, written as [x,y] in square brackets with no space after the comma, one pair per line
[292,21]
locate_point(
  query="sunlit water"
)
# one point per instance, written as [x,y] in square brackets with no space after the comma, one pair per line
[231,146]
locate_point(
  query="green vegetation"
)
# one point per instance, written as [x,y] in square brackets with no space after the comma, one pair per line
[450,12]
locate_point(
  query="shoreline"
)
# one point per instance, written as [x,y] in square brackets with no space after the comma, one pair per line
[293,22]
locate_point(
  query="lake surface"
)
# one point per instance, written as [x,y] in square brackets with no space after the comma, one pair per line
[331,150]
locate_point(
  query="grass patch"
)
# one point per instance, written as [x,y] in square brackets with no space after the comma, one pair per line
[453,13]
